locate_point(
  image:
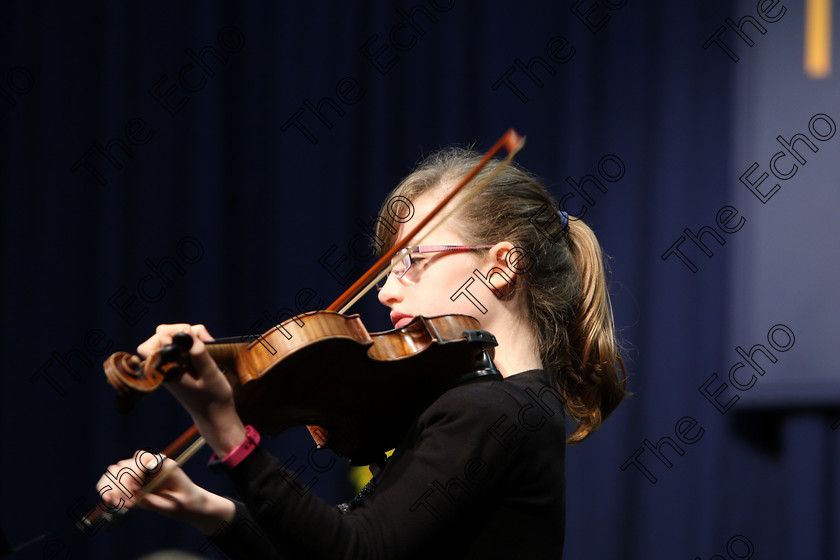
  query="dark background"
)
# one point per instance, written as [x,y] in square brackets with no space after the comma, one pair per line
[213,185]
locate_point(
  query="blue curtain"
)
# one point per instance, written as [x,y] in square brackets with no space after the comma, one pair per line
[217,163]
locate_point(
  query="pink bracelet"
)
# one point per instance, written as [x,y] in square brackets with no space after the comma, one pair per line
[238,453]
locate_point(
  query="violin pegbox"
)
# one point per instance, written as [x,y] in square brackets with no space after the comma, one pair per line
[134,378]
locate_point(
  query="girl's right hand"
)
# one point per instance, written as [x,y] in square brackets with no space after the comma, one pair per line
[122,483]
[178,497]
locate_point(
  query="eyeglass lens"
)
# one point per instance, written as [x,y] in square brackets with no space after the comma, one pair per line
[398,270]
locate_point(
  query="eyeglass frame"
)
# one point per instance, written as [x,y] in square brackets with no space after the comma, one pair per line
[406,256]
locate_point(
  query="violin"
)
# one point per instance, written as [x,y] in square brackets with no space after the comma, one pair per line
[360,389]
[356,391]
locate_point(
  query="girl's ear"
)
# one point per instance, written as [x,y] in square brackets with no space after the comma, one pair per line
[501,269]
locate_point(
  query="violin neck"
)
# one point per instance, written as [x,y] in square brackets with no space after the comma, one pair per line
[224,353]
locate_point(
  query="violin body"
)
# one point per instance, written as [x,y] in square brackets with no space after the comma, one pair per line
[360,389]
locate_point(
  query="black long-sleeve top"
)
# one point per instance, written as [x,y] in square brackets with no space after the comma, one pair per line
[479,474]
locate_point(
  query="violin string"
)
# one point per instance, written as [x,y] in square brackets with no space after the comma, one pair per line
[464,199]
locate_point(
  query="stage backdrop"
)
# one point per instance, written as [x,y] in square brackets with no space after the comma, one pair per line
[214,163]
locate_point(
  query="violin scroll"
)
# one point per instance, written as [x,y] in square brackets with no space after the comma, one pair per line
[134,378]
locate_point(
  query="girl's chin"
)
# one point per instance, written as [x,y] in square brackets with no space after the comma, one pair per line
[403,322]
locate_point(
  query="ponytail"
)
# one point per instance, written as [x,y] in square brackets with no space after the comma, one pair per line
[595,379]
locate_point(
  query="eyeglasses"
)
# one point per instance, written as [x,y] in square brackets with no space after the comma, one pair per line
[402,261]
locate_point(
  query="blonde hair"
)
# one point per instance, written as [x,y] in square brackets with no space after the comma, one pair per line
[565,291]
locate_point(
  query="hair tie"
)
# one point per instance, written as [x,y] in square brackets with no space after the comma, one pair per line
[564,218]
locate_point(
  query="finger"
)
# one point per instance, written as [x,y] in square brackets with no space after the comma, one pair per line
[158,474]
[149,463]
[200,357]
[163,335]
[113,500]
[119,483]
[202,333]
[153,502]
[105,490]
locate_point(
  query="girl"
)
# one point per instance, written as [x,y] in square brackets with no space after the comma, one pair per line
[480,473]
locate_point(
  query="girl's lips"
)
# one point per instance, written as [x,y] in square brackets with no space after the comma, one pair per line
[399,319]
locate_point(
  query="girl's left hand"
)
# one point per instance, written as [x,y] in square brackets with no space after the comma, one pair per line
[204,392]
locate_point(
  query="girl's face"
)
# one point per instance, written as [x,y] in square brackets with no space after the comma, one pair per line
[435,283]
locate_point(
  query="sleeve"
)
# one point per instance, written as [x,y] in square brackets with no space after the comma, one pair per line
[436,487]
[242,538]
